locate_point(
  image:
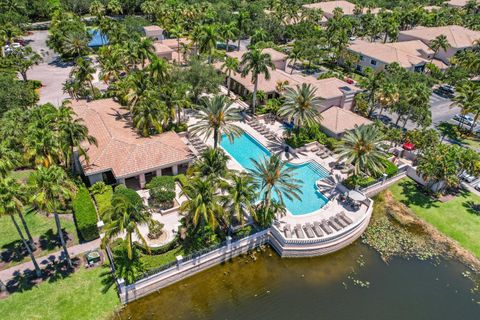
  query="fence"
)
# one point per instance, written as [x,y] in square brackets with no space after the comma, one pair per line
[383,184]
[188,266]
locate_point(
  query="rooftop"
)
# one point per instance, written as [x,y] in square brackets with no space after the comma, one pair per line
[407,54]
[173,43]
[338,120]
[457,36]
[348,8]
[276,55]
[120,148]
[456,3]
[161,48]
[152,28]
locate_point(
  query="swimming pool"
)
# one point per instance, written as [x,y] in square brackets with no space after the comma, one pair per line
[244,148]
[98,38]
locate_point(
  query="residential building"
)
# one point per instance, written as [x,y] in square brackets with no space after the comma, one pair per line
[163,51]
[279,59]
[336,121]
[153,32]
[348,8]
[459,38]
[121,154]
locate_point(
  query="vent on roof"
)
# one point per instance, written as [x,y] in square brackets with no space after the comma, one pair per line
[345,88]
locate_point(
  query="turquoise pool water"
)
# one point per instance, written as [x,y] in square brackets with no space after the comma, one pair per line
[244,148]
[98,39]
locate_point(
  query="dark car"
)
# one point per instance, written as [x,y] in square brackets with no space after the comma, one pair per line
[445,90]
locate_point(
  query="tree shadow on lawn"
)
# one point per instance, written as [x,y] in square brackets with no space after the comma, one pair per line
[417,195]
[472,207]
[53,270]
[15,251]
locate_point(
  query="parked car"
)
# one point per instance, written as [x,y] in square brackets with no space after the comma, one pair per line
[477,187]
[464,119]
[465,176]
[445,90]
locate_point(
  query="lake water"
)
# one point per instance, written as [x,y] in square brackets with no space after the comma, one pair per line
[316,288]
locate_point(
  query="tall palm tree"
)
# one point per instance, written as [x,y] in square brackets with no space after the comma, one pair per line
[145,50]
[467,97]
[177,31]
[212,163]
[9,159]
[204,205]
[240,196]
[257,63]
[372,82]
[52,188]
[148,116]
[11,204]
[228,32]
[440,42]
[302,106]
[124,217]
[273,176]
[83,72]
[115,7]
[241,21]
[388,95]
[208,39]
[75,45]
[72,133]
[361,147]
[159,69]
[230,66]
[215,117]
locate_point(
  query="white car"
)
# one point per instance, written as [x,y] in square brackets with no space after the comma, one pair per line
[477,186]
[465,176]
[464,119]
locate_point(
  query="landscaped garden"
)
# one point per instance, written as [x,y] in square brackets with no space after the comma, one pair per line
[458,217]
[461,137]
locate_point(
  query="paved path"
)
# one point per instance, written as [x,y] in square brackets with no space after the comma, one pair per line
[76,250]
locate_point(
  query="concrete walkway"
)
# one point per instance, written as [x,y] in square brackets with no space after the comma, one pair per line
[76,250]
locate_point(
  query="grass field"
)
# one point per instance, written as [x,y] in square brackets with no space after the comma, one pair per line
[454,218]
[79,296]
[41,227]
[155,261]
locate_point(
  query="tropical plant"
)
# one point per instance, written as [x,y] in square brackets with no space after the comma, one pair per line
[467,97]
[9,159]
[82,73]
[145,50]
[240,197]
[207,40]
[440,42]
[228,32]
[272,177]
[301,106]
[215,117]
[124,217]
[23,59]
[148,116]
[230,66]
[372,82]
[11,204]
[257,63]
[212,163]
[361,147]
[51,189]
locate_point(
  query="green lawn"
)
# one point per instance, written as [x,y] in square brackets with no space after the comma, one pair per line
[155,261]
[41,227]
[451,131]
[78,296]
[454,218]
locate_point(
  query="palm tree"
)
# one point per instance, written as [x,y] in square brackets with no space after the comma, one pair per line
[75,45]
[240,196]
[216,116]
[302,106]
[177,32]
[124,217]
[112,63]
[145,50]
[273,176]
[212,163]
[159,69]
[114,7]
[9,159]
[148,116]
[228,32]
[83,72]
[372,82]
[208,39]
[361,147]
[294,55]
[11,203]
[257,63]
[241,22]
[230,66]
[440,42]
[73,133]
[204,205]
[467,97]
[388,95]
[52,188]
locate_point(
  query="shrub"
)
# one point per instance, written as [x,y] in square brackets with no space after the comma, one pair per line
[310,134]
[354,181]
[134,198]
[102,194]
[182,179]
[155,229]
[390,169]
[162,190]
[85,215]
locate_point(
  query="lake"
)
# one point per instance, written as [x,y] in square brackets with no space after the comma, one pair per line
[351,284]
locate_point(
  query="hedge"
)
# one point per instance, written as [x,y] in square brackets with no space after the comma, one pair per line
[362,182]
[390,169]
[102,193]
[182,179]
[162,189]
[85,215]
[129,193]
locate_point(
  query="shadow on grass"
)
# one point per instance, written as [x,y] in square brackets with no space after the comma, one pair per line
[472,207]
[15,251]
[53,270]
[416,195]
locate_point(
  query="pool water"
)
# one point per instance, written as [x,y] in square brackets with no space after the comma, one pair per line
[245,148]
[98,38]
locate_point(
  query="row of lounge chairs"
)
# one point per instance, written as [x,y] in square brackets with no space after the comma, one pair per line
[262,129]
[322,152]
[197,143]
[318,229]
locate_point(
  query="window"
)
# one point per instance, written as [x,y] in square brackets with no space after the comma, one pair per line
[359,68]
[373,62]
[361,58]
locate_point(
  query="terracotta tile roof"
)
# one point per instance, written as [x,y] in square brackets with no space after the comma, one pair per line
[161,48]
[348,8]
[173,43]
[408,54]
[153,28]
[456,3]
[457,36]
[120,148]
[276,55]
[338,120]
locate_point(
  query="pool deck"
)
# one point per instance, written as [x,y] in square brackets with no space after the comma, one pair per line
[294,246]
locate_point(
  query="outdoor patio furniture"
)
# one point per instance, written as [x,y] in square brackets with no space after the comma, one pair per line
[340,222]
[299,231]
[314,149]
[309,231]
[288,231]
[345,217]
[326,227]
[317,229]
[333,224]
[320,154]
[324,156]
